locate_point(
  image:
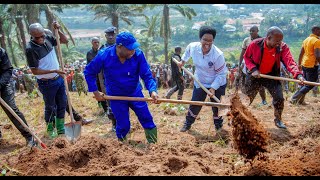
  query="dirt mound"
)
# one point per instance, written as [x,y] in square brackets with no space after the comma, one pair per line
[312,130]
[249,136]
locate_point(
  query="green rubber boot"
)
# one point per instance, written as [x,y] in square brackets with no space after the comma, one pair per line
[151,135]
[51,131]
[60,126]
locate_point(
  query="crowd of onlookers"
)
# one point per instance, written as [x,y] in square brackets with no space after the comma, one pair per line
[162,73]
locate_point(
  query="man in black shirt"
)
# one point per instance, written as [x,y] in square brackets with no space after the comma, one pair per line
[7,94]
[177,76]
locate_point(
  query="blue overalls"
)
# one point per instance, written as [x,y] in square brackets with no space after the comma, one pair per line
[123,80]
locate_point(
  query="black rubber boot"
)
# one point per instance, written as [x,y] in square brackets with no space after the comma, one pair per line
[218,123]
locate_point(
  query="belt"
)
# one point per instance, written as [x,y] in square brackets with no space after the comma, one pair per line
[45,79]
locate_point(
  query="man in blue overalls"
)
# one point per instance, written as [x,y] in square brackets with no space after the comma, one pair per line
[123,64]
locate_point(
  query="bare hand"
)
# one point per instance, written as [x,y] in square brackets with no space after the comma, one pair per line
[256,74]
[300,67]
[99,96]
[213,91]
[180,64]
[155,97]
[56,25]
[301,80]
[61,73]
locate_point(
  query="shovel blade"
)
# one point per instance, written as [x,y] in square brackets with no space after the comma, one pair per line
[73,131]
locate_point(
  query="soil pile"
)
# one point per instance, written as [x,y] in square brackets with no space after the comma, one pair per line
[249,136]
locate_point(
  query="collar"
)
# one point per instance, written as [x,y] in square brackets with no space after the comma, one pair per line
[37,44]
[255,38]
[313,35]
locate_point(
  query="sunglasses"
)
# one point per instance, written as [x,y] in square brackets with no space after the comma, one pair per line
[37,38]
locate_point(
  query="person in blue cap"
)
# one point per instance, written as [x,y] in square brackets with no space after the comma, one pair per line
[123,64]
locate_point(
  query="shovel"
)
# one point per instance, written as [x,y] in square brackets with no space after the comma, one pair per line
[289,79]
[200,84]
[160,100]
[72,129]
[3,103]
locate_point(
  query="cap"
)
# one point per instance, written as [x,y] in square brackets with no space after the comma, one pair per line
[111,29]
[127,40]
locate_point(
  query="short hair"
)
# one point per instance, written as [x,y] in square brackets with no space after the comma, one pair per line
[207,30]
[254,28]
[36,27]
[314,28]
[273,30]
[95,39]
[176,49]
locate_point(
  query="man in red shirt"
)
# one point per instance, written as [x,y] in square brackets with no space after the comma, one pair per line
[263,55]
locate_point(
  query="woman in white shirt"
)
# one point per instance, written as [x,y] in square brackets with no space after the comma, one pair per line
[210,70]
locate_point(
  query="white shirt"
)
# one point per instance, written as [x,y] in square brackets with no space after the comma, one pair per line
[49,62]
[210,69]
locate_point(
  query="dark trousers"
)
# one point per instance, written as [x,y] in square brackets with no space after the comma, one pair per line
[252,86]
[76,115]
[7,95]
[242,81]
[55,98]
[178,86]
[105,104]
[199,94]
[310,74]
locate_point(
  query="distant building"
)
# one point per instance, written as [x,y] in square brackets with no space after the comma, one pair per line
[220,7]
[197,25]
[229,28]
[249,22]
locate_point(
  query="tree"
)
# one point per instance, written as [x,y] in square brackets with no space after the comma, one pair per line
[4,15]
[165,30]
[116,12]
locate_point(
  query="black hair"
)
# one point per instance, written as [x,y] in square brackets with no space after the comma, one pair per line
[314,28]
[254,28]
[207,30]
[176,49]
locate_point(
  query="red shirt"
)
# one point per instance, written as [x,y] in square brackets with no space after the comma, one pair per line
[268,59]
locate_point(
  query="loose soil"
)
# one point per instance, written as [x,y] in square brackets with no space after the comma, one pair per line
[248,144]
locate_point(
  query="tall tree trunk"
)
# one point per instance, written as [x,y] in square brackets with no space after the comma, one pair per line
[14,59]
[115,21]
[166,31]
[2,38]
[33,13]
[50,17]
[22,33]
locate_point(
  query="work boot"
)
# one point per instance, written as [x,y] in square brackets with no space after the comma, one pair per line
[218,123]
[51,131]
[279,124]
[185,128]
[60,126]
[151,135]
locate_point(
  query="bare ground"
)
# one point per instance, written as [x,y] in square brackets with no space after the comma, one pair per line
[200,151]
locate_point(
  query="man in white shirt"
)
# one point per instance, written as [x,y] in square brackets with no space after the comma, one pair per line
[210,70]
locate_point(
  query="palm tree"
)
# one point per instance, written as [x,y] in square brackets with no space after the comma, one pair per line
[116,12]
[4,15]
[165,30]
[51,16]
[151,32]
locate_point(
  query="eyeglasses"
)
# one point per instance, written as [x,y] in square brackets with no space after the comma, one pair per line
[37,38]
